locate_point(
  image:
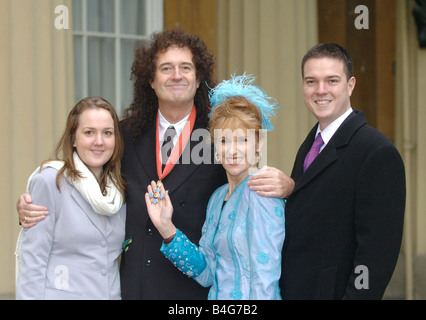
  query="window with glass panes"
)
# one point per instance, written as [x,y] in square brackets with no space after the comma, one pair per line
[105,34]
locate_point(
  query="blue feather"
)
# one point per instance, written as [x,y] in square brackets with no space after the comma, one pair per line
[243,86]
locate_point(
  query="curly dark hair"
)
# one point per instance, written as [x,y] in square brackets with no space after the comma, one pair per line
[143,109]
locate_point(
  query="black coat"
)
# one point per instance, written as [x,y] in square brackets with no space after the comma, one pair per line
[145,272]
[346,211]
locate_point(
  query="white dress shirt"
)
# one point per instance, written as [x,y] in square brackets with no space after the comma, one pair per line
[331,129]
[163,124]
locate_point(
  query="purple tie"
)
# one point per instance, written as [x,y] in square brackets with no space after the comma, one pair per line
[312,154]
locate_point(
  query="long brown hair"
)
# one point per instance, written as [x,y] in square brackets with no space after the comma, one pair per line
[64,150]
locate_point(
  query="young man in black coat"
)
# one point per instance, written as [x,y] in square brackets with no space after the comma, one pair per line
[344,218]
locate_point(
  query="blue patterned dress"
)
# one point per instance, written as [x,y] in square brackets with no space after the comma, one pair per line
[240,249]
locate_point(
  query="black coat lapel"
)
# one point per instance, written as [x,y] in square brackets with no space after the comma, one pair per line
[329,154]
[145,151]
[186,166]
[301,154]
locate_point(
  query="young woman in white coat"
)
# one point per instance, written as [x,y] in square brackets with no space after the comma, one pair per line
[73,253]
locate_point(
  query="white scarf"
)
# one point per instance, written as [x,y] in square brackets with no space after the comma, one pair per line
[88,187]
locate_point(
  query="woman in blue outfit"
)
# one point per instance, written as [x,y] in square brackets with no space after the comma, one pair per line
[239,254]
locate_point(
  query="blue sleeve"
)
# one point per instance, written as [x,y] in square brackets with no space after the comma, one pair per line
[266,239]
[184,255]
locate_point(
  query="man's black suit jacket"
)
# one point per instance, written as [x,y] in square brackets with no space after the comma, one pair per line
[346,211]
[145,272]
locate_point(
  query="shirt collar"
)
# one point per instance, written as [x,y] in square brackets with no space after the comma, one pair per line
[163,124]
[331,129]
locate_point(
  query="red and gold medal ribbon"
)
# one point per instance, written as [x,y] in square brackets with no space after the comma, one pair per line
[178,148]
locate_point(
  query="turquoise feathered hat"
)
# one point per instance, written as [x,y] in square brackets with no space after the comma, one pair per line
[243,86]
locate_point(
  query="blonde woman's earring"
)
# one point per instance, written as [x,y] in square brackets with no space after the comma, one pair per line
[258,157]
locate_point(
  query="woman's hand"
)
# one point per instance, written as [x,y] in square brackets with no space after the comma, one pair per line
[161,212]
